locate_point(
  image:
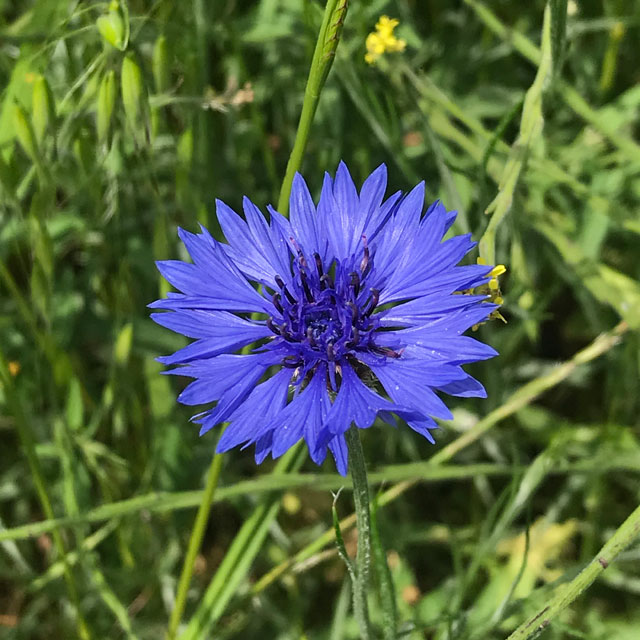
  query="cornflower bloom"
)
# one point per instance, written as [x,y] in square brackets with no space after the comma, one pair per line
[349,310]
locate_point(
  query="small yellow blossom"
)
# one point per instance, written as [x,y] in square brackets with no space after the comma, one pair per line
[492,289]
[14,368]
[382,40]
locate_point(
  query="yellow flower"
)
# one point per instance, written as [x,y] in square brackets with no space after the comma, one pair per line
[492,289]
[382,40]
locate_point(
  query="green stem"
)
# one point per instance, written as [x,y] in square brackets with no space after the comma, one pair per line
[323,55]
[358,470]
[566,594]
[195,541]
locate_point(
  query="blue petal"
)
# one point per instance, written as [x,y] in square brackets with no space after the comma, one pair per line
[303,416]
[451,325]
[340,452]
[212,276]
[205,324]
[330,220]
[219,332]
[426,309]
[455,279]
[303,218]
[357,403]
[424,428]
[371,196]
[408,382]
[250,244]
[391,249]
[346,198]
[424,266]
[270,241]
[263,447]
[217,375]
[454,350]
[465,388]
[250,421]
[178,301]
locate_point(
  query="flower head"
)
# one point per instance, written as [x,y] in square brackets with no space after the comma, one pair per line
[348,310]
[382,40]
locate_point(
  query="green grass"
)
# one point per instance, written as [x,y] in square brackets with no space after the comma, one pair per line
[530,131]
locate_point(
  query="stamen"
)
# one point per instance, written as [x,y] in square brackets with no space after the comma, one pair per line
[386,351]
[301,257]
[331,356]
[375,296]
[310,337]
[325,280]
[305,286]
[365,259]
[275,298]
[318,259]
[291,362]
[271,324]
[284,333]
[283,286]
[355,282]
[354,310]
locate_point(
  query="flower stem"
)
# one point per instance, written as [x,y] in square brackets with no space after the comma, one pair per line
[358,471]
[195,541]
[323,55]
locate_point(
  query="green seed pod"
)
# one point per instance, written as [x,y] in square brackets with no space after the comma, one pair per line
[160,65]
[43,111]
[24,132]
[134,98]
[123,344]
[106,103]
[114,26]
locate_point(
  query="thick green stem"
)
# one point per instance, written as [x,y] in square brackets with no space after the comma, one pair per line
[358,470]
[194,544]
[323,56]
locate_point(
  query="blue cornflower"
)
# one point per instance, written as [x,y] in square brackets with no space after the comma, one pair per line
[358,297]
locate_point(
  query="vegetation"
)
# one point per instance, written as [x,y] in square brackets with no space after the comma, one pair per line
[121,121]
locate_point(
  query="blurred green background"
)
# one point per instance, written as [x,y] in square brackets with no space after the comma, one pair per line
[118,125]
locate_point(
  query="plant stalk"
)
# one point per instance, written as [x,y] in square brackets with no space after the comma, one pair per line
[323,55]
[358,471]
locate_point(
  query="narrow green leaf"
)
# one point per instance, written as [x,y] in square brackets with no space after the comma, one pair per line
[558,33]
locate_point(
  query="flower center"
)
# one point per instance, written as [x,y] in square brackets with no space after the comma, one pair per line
[324,314]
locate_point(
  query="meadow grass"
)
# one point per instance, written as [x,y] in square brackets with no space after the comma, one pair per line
[120,122]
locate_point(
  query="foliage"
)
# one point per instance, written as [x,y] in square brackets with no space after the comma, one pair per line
[121,121]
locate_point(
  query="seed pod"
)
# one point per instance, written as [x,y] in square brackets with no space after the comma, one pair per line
[24,132]
[160,65]
[123,344]
[114,26]
[42,105]
[134,98]
[106,102]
